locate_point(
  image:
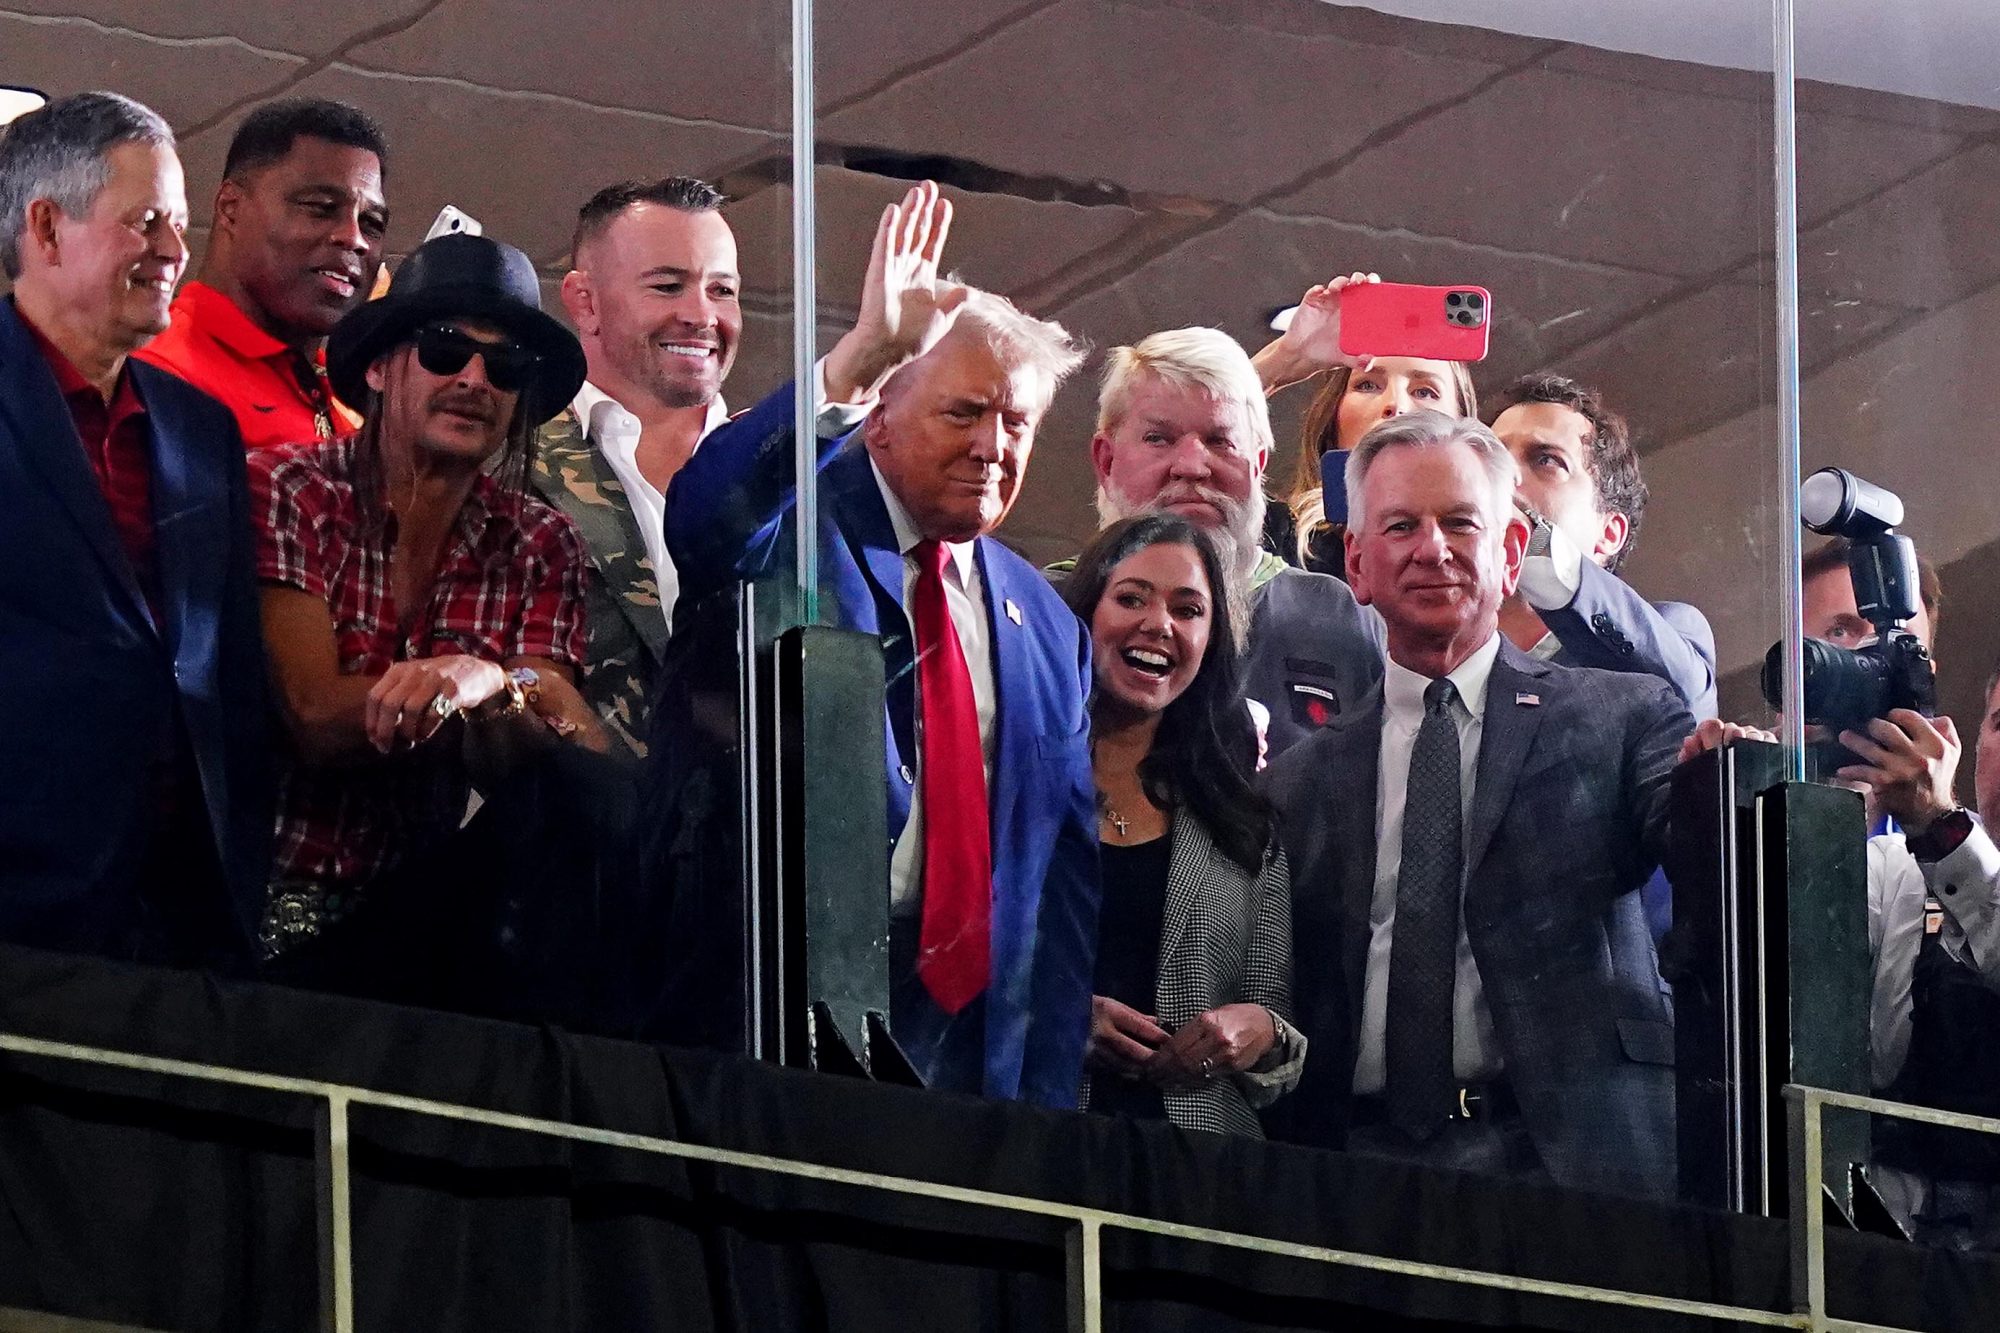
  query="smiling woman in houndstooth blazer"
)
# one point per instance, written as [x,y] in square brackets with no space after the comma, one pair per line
[1194,970]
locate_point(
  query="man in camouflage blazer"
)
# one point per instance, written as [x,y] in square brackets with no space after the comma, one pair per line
[628,631]
[653,297]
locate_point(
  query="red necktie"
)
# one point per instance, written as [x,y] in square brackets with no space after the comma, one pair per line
[952,953]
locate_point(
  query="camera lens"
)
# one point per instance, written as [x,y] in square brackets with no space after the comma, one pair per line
[1844,687]
[1453,300]
[1475,300]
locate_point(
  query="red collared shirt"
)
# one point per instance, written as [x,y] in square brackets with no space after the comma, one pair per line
[214,346]
[511,585]
[119,446]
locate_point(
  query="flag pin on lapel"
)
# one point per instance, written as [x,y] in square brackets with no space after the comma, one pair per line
[1527,700]
[1013,610]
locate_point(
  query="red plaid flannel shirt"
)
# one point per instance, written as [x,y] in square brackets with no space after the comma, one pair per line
[511,585]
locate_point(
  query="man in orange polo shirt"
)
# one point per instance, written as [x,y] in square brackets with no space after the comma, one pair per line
[296,244]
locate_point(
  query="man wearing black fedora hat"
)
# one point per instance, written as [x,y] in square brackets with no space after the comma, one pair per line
[423,613]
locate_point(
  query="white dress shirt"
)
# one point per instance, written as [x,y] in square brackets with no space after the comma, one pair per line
[1475,1050]
[965,598]
[614,432]
[1898,884]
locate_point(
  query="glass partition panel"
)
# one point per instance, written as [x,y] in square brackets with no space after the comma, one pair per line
[1894,120]
[494,123]
[1897,208]
[1127,168]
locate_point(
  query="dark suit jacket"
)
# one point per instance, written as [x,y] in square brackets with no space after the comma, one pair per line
[1568,817]
[1609,625]
[730,516]
[1311,652]
[94,677]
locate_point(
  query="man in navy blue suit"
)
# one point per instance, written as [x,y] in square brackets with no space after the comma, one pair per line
[1580,479]
[993,885]
[133,820]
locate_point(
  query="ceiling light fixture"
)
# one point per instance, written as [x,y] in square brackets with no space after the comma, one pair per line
[16,101]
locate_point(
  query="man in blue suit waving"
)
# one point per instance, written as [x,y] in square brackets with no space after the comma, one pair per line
[135,819]
[993,885]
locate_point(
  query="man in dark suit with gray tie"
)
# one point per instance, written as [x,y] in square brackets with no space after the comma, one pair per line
[1467,846]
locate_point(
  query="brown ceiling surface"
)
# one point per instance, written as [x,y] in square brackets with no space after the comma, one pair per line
[1126,165]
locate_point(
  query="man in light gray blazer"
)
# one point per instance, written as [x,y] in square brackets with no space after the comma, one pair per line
[1472,961]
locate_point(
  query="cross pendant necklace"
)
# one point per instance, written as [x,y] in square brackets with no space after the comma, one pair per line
[1115,819]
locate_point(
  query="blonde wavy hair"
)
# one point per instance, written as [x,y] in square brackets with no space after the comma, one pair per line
[1320,432]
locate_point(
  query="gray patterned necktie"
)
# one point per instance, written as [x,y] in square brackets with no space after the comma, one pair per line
[1423,951]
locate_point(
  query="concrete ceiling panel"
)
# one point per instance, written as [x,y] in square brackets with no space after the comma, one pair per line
[677,58]
[519,163]
[1234,276]
[274,27]
[1581,168]
[1928,242]
[1156,100]
[185,81]
[1000,242]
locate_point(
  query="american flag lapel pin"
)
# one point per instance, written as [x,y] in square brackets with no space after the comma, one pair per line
[1013,610]
[1527,700]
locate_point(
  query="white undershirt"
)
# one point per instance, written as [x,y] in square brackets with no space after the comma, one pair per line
[1475,1050]
[614,432]
[965,598]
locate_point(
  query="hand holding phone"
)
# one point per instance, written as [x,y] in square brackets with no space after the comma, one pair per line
[1309,339]
[1403,319]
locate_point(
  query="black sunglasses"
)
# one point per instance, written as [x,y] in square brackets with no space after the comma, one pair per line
[444,350]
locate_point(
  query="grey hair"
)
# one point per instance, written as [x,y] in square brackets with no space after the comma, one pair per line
[1425,428]
[1239,537]
[1192,358]
[1019,339]
[58,152]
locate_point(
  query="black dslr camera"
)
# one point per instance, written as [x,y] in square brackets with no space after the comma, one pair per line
[1845,687]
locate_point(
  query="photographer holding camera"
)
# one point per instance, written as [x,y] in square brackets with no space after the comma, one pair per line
[1933,878]
[1934,933]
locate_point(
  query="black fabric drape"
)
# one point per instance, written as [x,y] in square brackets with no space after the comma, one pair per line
[195,1209]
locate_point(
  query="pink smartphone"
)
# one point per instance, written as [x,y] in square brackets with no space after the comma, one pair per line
[1401,319]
